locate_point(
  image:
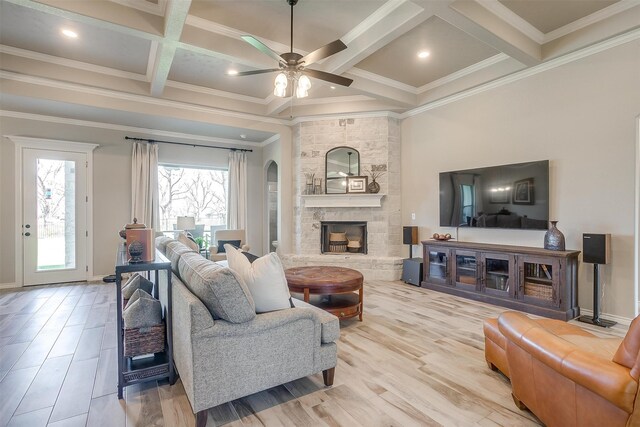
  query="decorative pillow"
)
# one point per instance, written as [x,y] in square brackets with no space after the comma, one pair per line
[144,312]
[188,242]
[219,288]
[175,250]
[134,283]
[250,257]
[221,243]
[161,243]
[264,278]
[137,294]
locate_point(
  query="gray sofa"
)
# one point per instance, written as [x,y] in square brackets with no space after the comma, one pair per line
[221,360]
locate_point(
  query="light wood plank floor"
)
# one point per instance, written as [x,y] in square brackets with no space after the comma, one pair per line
[416,359]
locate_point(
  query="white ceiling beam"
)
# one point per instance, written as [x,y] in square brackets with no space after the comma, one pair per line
[478,21]
[174,20]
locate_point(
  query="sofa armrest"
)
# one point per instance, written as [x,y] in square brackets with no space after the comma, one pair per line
[245,248]
[605,378]
[330,323]
[213,250]
[260,324]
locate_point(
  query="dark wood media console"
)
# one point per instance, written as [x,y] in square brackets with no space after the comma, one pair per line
[534,280]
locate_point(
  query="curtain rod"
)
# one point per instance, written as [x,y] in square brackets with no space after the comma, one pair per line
[188,145]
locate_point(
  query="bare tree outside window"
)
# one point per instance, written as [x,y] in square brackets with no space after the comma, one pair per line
[200,193]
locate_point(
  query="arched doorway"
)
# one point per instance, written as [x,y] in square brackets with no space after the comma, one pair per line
[272,206]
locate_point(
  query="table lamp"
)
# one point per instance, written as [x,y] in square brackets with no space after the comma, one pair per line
[186,223]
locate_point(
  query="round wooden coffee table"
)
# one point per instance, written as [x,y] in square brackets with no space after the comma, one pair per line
[331,288]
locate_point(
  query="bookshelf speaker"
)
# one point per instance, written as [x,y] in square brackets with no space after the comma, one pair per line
[410,235]
[596,248]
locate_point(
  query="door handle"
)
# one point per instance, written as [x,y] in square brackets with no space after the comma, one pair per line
[27,234]
[27,226]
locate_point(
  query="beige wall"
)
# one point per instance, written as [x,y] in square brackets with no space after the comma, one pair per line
[580,116]
[112,185]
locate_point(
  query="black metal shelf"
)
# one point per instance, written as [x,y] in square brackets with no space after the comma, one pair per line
[151,367]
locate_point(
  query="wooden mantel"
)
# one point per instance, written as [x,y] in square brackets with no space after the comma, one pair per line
[366,200]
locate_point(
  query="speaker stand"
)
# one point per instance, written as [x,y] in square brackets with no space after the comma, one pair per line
[596,320]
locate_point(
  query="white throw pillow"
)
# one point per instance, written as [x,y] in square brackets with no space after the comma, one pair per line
[264,278]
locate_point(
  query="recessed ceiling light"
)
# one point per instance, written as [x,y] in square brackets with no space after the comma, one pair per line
[243,136]
[332,87]
[232,72]
[69,33]
[423,54]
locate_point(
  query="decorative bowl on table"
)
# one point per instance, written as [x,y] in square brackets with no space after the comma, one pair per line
[444,237]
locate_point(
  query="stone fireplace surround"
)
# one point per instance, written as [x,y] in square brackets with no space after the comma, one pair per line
[378,141]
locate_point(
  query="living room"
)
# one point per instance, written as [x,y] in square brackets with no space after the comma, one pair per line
[571,100]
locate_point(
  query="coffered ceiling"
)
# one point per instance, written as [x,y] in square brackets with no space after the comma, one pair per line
[175,54]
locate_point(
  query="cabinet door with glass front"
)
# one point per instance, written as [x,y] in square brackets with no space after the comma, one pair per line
[437,266]
[498,274]
[465,274]
[539,280]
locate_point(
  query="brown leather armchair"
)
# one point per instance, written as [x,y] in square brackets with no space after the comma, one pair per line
[573,379]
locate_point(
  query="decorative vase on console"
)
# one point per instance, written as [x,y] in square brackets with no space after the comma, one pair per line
[553,238]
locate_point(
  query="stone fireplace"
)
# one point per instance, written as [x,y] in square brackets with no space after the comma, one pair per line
[343,237]
[377,139]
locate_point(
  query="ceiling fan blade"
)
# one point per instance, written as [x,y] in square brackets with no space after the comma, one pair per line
[323,52]
[332,78]
[262,47]
[249,73]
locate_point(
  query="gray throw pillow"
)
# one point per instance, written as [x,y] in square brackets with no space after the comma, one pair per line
[134,283]
[175,250]
[219,288]
[137,294]
[143,313]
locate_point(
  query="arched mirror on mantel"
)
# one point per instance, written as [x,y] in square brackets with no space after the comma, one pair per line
[340,163]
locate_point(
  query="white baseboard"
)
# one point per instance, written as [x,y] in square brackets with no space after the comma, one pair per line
[621,320]
[9,286]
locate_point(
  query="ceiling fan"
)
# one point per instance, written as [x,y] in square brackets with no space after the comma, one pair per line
[292,65]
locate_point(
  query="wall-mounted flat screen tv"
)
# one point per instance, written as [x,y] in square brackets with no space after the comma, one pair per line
[508,196]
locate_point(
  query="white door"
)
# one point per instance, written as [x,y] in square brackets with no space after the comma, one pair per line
[54,226]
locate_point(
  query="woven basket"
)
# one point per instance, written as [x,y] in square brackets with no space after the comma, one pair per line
[139,341]
[538,290]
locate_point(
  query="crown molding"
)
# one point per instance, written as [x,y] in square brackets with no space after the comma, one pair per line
[270,140]
[364,115]
[136,98]
[519,75]
[144,6]
[511,18]
[125,128]
[215,92]
[79,65]
[377,78]
[464,72]
[600,15]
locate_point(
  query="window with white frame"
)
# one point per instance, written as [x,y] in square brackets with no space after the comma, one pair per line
[196,192]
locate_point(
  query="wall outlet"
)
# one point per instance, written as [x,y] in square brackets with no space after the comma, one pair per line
[413,215]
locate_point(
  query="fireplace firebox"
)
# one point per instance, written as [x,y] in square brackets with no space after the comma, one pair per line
[340,237]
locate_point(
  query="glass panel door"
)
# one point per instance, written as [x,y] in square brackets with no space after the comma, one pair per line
[54,216]
[497,275]
[466,269]
[438,266]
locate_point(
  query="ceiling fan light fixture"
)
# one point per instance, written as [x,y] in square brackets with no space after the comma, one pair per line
[280,85]
[304,84]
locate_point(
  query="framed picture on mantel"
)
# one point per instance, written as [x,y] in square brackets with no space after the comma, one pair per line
[357,184]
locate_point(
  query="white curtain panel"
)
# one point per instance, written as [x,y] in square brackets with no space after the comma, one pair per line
[144,184]
[237,199]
